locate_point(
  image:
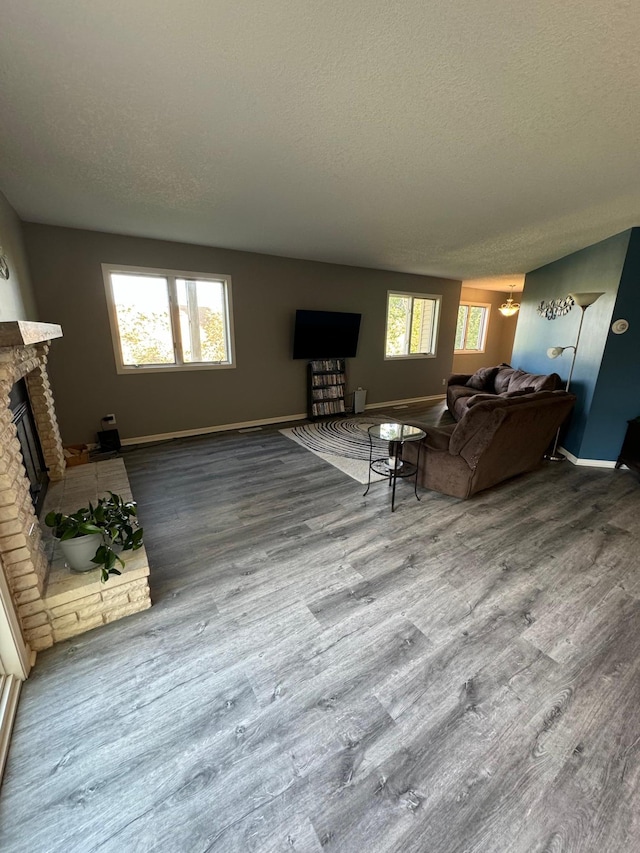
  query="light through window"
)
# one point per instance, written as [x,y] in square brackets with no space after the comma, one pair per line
[471,329]
[202,310]
[162,320]
[412,325]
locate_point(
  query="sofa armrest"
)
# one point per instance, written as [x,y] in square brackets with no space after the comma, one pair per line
[459,378]
[438,437]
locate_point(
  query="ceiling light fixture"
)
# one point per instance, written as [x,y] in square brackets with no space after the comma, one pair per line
[509,308]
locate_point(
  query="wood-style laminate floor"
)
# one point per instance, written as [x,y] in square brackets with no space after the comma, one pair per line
[319,674]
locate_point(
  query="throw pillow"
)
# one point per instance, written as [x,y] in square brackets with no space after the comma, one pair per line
[482,379]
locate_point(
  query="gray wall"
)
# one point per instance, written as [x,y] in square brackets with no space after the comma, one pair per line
[500,333]
[16,294]
[266,383]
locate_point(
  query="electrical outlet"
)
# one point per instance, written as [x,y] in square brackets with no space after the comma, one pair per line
[109,419]
[444,380]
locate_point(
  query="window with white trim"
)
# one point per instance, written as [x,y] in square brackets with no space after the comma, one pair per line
[412,325]
[169,320]
[471,329]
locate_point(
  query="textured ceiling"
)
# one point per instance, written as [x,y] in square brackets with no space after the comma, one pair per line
[501,283]
[474,138]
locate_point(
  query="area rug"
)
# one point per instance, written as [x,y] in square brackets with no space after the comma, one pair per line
[342,443]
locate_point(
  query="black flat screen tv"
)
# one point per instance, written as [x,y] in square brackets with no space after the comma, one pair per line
[325,334]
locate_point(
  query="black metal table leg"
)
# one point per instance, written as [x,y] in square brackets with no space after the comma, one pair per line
[393,475]
[370,461]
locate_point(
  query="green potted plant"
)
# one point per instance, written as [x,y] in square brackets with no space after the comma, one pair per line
[92,537]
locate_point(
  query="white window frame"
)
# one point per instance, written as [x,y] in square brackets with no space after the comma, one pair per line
[170,276]
[437,299]
[485,327]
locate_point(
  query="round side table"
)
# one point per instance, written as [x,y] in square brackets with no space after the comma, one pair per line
[393,466]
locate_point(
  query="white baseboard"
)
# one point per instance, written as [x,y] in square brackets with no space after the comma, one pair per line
[402,402]
[592,463]
[187,433]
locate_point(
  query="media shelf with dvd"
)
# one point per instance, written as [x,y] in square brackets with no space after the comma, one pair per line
[327,382]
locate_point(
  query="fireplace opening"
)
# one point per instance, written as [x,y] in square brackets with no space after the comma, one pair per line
[22,417]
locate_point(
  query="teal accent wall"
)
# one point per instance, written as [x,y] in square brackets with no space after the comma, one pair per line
[595,268]
[616,397]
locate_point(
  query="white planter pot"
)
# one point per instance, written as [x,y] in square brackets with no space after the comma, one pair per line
[78,552]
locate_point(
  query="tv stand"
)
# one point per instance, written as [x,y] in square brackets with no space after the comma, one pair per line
[326,387]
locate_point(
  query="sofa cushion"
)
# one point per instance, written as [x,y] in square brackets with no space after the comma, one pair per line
[502,377]
[456,391]
[506,395]
[482,379]
[520,392]
[457,397]
[537,381]
[479,398]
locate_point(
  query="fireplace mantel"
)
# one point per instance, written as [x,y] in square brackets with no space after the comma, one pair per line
[21,333]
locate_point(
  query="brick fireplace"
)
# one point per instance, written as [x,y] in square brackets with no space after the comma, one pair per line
[24,349]
[50,603]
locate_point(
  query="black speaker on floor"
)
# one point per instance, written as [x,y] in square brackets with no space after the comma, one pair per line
[109,439]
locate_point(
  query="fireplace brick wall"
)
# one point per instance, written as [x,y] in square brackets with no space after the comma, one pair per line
[21,551]
[44,414]
[51,603]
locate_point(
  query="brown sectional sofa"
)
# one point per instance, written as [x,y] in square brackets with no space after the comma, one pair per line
[503,380]
[498,438]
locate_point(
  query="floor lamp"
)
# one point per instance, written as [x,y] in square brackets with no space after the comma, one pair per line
[583,301]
